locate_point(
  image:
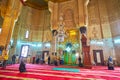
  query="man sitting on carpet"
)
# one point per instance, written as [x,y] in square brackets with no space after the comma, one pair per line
[22,67]
[110,63]
[5,59]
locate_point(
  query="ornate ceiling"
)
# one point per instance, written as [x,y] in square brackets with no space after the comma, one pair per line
[40,4]
[57,0]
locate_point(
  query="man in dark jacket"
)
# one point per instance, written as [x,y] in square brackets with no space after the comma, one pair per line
[79,59]
[49,60]
[22,67]
[13,59]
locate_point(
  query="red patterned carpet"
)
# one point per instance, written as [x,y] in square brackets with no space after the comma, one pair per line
[45,72]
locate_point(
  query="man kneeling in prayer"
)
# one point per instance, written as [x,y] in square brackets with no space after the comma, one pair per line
[22,67]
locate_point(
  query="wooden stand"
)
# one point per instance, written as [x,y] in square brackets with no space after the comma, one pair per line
[86,52]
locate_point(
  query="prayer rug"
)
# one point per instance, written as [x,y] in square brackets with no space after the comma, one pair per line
[67,69]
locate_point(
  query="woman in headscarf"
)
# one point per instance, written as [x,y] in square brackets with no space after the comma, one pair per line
[110,63]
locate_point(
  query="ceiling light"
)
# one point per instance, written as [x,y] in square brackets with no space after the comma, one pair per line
[0,30]
[24,0]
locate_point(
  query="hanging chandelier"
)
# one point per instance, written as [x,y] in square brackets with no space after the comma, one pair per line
[61,33]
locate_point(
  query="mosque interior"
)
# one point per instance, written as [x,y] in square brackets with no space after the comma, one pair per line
[66,29]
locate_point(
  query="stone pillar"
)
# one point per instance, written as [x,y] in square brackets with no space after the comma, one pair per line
[85,49]
[53,8]
[10,18]
[54,40]
[81,12]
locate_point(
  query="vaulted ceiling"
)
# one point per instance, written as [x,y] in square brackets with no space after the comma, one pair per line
[40,4]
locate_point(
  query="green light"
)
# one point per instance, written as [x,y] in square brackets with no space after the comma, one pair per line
[68,49]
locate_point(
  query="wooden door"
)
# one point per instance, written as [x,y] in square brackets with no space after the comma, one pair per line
[98,57]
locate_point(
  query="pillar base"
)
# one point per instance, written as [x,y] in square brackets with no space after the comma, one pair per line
[88,66]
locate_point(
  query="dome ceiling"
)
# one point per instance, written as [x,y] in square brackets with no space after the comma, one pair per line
[40,4]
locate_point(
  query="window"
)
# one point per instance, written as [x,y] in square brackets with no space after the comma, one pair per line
[0,30]
[27,34]
[24,50]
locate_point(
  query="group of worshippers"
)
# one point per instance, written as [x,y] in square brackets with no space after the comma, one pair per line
[110,63]
[50,60]
[22,65]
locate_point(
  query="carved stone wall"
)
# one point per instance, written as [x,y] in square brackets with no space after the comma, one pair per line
[98,20]
[37,22]
[113,8]
[71,11]
[103,23]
